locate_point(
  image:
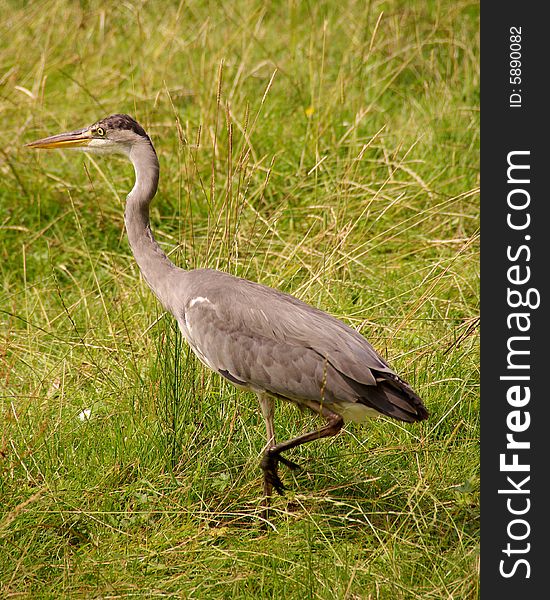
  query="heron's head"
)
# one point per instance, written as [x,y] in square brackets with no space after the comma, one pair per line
[114,134]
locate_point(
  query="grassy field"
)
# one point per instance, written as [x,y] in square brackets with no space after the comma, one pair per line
[329,149]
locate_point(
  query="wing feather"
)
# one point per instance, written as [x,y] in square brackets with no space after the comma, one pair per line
[272,341]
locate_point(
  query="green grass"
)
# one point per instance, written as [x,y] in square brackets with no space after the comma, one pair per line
[329,149]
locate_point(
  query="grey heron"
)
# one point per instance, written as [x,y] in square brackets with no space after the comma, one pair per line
[257,337]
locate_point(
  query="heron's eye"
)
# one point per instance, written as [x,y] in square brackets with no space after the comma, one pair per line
[100,132]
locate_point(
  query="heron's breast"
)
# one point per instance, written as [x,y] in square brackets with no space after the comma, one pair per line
[186,326]
[196,349]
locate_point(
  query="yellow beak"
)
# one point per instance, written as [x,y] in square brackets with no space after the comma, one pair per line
[72,139]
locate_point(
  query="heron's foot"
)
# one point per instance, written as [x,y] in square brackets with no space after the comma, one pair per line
[288,463]
[269,464]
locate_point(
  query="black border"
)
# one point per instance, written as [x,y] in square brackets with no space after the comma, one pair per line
[505,129]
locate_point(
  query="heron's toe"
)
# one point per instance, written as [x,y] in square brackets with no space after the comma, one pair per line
[269,466]
[291,465]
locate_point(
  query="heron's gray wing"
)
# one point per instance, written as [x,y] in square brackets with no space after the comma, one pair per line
[260,338]
[260,311]
[247,357]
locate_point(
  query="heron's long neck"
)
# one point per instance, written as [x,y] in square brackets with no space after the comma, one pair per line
[155,266]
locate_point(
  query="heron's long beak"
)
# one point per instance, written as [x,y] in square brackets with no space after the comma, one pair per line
[71,139]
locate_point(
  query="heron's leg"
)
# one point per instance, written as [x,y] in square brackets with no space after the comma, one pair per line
[272,455]
[267,406]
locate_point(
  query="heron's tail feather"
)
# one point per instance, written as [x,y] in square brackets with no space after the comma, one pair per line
[392,397]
